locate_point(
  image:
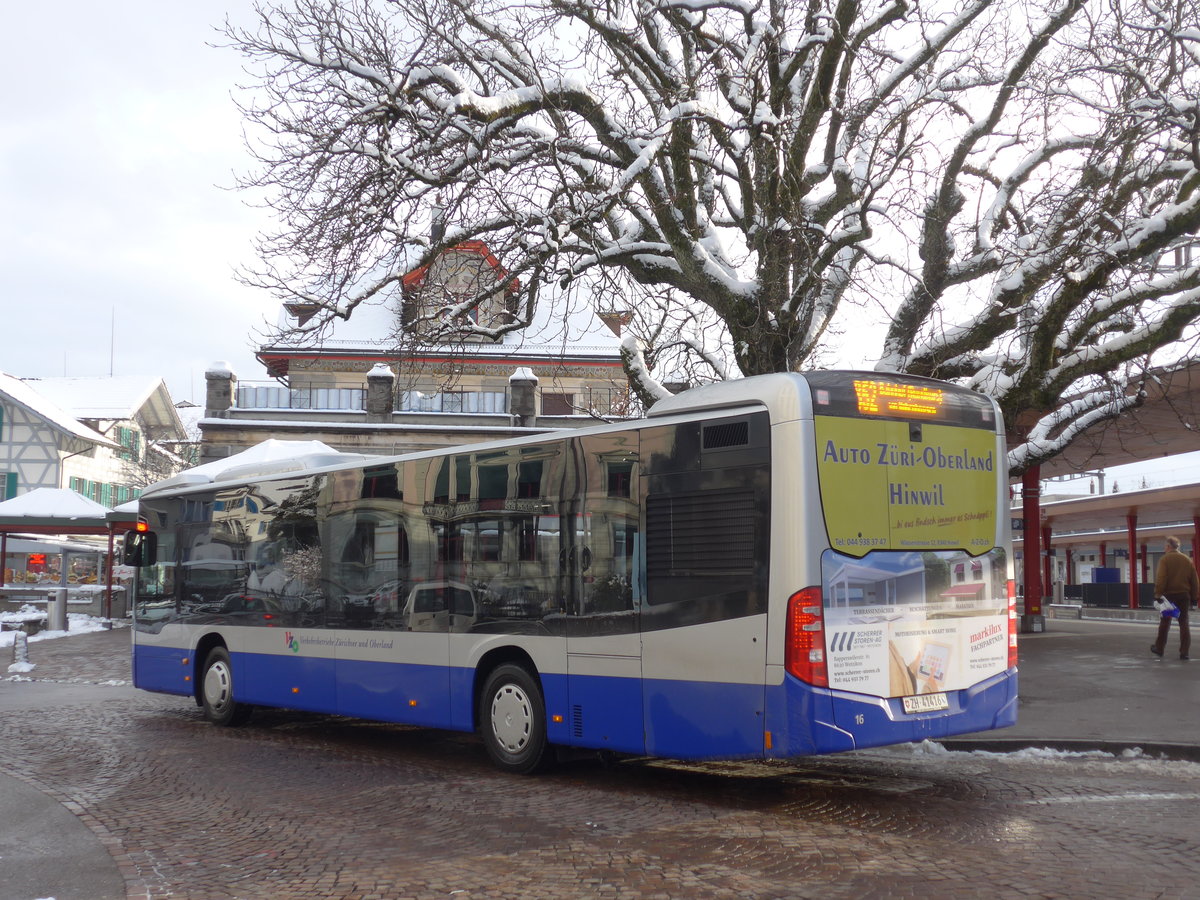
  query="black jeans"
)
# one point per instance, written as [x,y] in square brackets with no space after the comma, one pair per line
[1164,625]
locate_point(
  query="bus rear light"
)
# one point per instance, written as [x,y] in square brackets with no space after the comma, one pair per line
[1012,624]
[804,649]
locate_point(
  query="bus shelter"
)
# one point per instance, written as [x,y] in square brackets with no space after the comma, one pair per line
[1166,422]
[1118,525]
[60,512]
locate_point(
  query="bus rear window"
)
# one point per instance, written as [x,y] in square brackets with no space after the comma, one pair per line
[904,398]
[899,624]
[920,469]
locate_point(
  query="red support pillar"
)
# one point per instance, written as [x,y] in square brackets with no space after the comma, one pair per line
[1069,578]
[1131,526]
[108,576]
[1104,554]
[1047,569]
[1031,511]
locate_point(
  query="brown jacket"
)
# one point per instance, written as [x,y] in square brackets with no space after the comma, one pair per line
[1176,575]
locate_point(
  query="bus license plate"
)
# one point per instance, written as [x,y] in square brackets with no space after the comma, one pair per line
[925,703]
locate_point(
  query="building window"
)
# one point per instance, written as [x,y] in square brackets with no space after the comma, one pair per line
[557,404]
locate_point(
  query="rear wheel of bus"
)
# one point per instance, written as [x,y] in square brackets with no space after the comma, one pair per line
[512,720]
[216,690]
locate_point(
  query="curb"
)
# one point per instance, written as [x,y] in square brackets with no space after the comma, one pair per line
[1159,749]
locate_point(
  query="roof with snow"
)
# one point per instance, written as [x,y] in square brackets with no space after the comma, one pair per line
[34,401]
[52,503]
[565,327]
[270,457]
[114,397]
[53,511]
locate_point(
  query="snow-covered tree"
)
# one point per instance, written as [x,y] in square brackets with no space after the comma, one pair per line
[990,191]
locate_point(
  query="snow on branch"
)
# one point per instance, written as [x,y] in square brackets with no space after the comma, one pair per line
[995,182]
[1055,431]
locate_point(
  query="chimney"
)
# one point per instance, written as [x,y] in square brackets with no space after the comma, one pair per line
[522,394]
[220,383]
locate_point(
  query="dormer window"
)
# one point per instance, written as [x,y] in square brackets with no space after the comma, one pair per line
[302,312]
[434,293]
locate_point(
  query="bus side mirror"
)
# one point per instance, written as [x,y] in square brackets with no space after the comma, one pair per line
[141,548]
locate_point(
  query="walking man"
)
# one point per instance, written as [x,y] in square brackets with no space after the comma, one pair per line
[1176,580]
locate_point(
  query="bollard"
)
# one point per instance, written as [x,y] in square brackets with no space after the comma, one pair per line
[21,661]
[56,611]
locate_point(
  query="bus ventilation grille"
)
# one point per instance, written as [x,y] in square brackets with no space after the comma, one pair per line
[727,434]
[577,721]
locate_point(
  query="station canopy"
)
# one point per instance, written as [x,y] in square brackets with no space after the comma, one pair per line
[53,511]
[1166,424]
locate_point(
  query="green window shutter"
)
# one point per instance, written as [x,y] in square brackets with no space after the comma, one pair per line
[10,483]
[129,439]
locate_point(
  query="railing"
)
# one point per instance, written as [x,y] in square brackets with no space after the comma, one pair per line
[252,396]
[453,402]
[580,402]
[598,401]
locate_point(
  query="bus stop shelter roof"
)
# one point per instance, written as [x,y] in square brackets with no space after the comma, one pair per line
[1167,423]
[57,511]
[1155,512]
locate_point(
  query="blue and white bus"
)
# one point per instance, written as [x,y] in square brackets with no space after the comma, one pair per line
[774,567]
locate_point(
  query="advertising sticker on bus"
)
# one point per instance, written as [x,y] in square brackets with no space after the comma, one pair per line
[905,624]
[882,488]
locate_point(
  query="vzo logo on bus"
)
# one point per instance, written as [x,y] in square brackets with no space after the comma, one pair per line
[293,642]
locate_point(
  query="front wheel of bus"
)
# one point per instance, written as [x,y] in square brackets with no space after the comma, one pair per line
[513,720]
[216,690]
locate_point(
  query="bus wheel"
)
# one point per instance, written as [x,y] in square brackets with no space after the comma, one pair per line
[512,718]
[216,691]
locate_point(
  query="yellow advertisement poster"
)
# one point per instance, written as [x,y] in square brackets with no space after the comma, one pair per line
[884,486]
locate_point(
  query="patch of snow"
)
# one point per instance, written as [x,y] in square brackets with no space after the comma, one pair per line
[77,623]
[52,503]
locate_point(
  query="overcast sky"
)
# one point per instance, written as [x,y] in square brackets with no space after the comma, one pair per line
[119,234]
[118,142]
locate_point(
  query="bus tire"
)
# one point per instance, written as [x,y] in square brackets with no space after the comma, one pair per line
[512,720]
[216,690]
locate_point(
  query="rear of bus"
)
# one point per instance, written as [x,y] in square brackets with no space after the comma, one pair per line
[900,625]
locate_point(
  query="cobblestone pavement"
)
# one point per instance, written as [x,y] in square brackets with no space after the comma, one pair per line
[303,806]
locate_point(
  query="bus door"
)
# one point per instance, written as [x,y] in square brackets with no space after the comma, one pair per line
[599,561]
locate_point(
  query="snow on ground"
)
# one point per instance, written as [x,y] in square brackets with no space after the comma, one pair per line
[77,623]
[933,748]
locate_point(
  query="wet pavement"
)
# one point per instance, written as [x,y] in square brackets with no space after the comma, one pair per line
[160,804]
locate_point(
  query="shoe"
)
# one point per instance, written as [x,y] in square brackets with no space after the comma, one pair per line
[1183,656]
[1155,650]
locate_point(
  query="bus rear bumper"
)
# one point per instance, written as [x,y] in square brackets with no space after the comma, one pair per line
[819,720]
